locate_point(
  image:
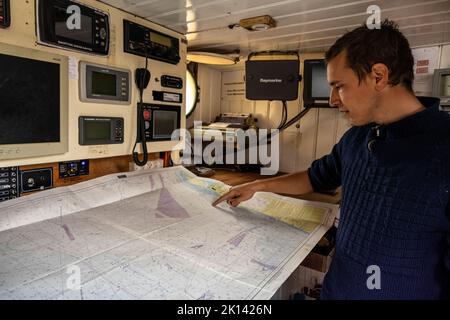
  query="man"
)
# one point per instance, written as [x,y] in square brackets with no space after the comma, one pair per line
[394,168]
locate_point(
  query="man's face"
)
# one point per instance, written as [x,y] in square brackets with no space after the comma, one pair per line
[357,100]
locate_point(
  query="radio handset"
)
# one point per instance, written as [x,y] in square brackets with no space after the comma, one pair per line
[142,78]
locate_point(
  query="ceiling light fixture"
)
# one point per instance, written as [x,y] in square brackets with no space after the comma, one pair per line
[258,23]
[211,58]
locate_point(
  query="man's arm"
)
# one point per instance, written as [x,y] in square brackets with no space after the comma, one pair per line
[294,183]
[324,174]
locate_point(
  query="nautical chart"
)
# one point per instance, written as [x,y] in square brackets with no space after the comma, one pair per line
[153,235]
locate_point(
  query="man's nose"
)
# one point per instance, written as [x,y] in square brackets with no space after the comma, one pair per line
[335,100]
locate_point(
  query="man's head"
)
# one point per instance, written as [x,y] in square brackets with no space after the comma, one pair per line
[362,64]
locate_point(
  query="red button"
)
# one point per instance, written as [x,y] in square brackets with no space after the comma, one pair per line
[146,115]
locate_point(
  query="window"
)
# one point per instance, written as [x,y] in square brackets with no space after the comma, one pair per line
[191,93]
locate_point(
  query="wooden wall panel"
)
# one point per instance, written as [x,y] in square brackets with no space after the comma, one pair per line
[97,168]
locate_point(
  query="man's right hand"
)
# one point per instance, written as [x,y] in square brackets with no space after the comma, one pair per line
[292,183]
[236,195]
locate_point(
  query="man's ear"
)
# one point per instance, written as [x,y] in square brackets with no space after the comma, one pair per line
[380,73]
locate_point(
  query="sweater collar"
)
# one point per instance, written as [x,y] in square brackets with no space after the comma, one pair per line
[414,124]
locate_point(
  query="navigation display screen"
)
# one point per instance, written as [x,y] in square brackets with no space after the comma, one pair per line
[103,83]
[84,34]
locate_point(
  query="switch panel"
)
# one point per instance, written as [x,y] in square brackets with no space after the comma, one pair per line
[9,186]
[36,179]
[73,168]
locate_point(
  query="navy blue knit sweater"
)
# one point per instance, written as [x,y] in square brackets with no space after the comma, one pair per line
[395,208]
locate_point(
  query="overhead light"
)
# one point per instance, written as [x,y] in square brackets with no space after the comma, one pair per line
[211,58]
[258,23]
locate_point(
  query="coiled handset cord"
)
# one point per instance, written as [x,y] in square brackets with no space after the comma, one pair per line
[140,122]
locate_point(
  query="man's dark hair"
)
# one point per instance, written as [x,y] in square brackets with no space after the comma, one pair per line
[365,47]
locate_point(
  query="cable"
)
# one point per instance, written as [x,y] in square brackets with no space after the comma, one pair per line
[299,115]
[286,125]
[285,114]
[141,122]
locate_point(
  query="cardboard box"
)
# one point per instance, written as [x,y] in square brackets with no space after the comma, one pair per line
[321,255]
[318,262]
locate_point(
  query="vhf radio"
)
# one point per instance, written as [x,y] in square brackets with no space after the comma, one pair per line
[145,42]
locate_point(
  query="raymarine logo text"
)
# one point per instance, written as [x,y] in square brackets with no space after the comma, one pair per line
[270,80]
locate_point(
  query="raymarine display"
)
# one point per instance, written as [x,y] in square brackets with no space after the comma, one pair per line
[316,90]
[441,86]
[271,79]
[104,84]
[94,130]
[72,25]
